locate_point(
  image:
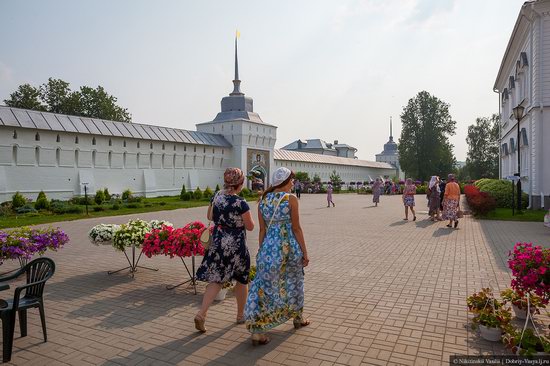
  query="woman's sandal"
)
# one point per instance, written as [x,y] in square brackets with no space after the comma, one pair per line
[456,224]
[199,323]
[240,320]
[449,225]
[260,339]
[298,323]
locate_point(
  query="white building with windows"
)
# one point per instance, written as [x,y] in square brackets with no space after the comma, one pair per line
[61,154]
[524,79]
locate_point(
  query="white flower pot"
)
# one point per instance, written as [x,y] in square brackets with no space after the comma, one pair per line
[221,295]
[520,313]
[490,334]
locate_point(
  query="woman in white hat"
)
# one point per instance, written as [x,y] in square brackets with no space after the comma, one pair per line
[276,294]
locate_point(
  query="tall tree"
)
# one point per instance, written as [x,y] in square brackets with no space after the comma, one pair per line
[424,147]
[483,149]
[27,97]
[57,97]
[98,103]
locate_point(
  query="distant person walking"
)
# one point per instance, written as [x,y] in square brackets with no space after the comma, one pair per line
[227,258]
[330,189]
[451,201]
[434,199]
[408,198]
[441,193]
[376,190]
[298,188]
[277,292]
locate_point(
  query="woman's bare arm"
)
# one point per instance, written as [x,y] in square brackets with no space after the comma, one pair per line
[296,228]
[261,221]
[248,221]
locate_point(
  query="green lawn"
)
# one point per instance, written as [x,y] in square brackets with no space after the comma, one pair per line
[506,215]
[153,204]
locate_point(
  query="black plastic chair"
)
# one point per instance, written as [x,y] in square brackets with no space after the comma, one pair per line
[38,272]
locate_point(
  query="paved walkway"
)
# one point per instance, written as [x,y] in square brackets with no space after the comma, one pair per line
[379,290]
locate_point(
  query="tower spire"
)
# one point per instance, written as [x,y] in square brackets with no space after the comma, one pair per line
[236,81]
[391,133]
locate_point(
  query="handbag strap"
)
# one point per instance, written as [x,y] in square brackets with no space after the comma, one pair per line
[275,211]
[213,198]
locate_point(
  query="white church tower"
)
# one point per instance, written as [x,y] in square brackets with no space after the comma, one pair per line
[253,140]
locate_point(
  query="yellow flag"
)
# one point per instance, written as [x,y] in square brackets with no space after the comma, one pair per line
[237,34]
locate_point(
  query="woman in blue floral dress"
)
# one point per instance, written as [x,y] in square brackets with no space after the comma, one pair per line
[227,258]
[277,292]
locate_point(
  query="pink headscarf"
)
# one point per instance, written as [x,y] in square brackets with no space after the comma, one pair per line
[233,177]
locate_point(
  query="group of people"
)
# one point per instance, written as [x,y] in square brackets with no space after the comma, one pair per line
[443,198]
[276,294]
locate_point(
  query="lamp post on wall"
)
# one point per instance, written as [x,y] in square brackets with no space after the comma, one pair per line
[518,114]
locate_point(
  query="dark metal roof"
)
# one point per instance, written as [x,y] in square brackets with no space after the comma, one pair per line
[60,122]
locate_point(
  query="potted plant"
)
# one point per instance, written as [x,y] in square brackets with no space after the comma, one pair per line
[229,285]
[130,234]
[528,344]
[519,302]
[223,292]
[529,266]
[103,234]
[490,314]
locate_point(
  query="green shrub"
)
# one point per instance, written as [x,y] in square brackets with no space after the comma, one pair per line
[245,192]
[106,194]
[81,200]
[187,196]
[133,199]
[5,211]
[17,200]
[25,209]
[115,207]
[501,191]
[421,189]
[72,209]
[42,202]
[99,208]
[183,192]
[162,203]
[126,194]
[217,188]
[197,194]
[134,205]
[207,193]
[99,197]
[148,204]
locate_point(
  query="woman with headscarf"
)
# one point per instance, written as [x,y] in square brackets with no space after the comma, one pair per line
[376,188]
[277,292]
[227,258]
[451,201]
[408,198]
[433,198]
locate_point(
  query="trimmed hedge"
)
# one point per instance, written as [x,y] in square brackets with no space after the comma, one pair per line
[501,190]
[481,203]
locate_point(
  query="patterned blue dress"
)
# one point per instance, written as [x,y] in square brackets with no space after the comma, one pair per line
[277,292]
[227,257]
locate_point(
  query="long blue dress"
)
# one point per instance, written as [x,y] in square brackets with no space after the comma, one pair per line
[227,258]
[277,292]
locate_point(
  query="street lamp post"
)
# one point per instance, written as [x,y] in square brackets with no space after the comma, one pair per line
[518,114]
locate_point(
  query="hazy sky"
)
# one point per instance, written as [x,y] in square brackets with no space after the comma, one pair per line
[316,69]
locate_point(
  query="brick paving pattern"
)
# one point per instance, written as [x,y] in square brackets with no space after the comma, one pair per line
[379,291]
